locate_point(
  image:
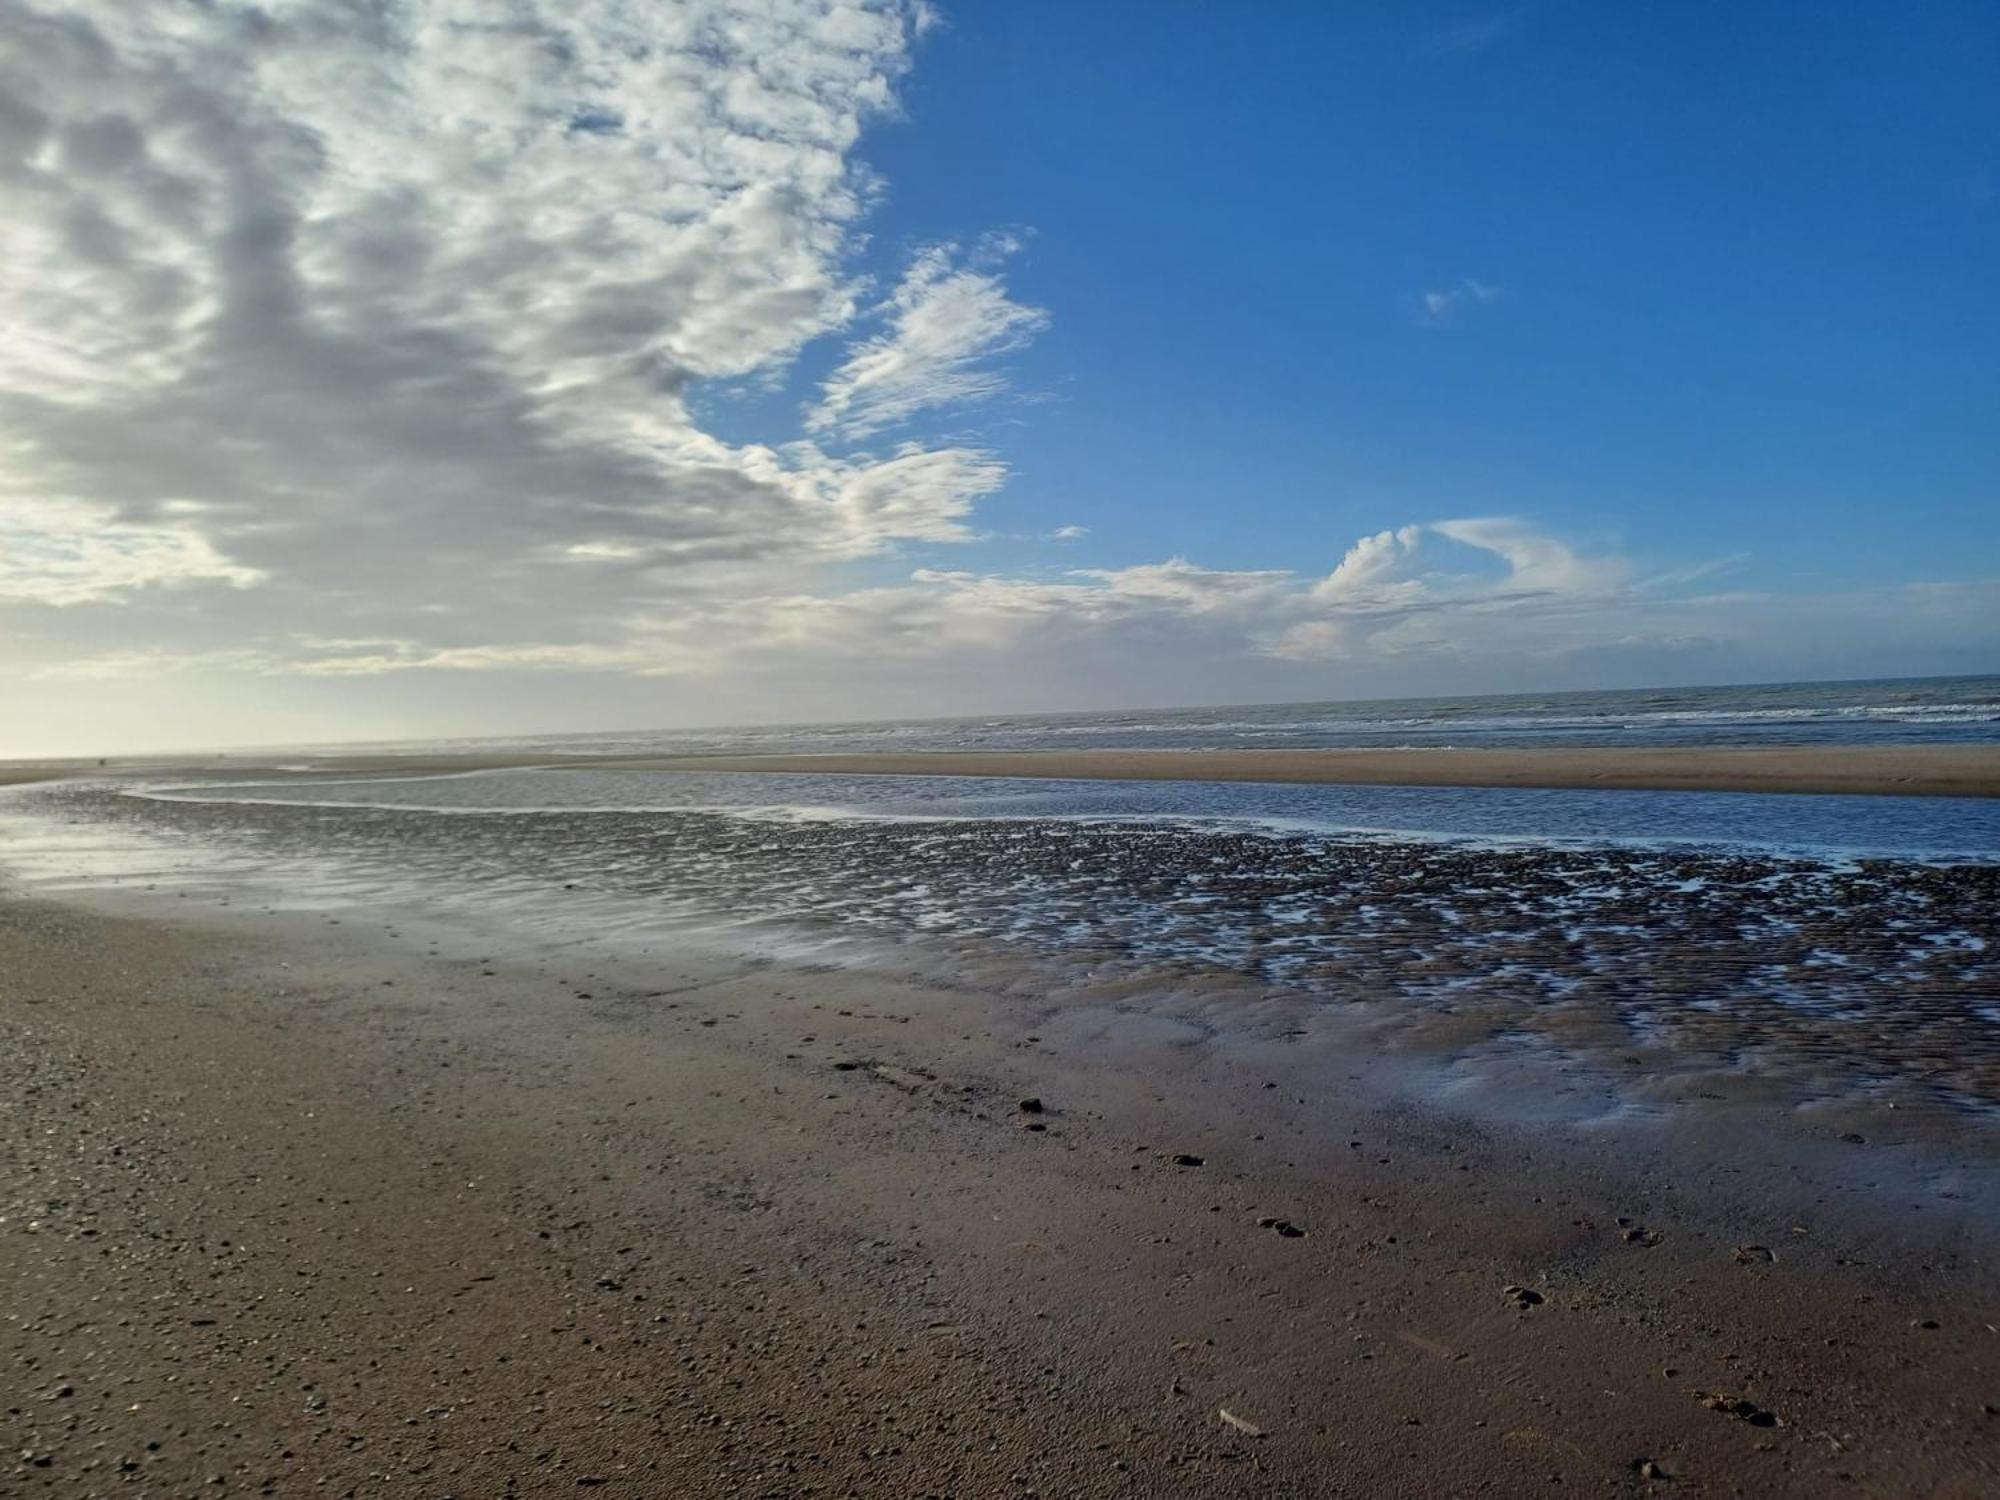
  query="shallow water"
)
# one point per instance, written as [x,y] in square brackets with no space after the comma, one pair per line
[1816,975]
[1896,827]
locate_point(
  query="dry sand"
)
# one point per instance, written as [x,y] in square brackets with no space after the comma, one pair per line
[297,1204]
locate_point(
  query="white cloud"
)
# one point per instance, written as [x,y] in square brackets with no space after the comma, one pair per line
[1389,593]
[1445,304]
[1372,562]
[399,307]
[1477,33]
[946,324]
[65,554]
[1534,559]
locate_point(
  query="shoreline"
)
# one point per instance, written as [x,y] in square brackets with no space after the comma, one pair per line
[1963,770]
[794,1218]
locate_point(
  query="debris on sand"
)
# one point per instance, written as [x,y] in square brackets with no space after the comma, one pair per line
[1739,1407]
[1248,1429]
[1639,1234]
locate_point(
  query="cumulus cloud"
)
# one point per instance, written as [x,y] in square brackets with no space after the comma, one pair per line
[397,310]
[947,323]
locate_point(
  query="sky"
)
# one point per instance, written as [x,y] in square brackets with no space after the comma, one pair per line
[396,368]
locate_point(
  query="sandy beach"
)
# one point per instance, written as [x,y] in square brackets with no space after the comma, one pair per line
[303,1203]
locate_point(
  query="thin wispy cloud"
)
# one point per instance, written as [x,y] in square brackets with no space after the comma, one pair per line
[1446,305]
[1475,33]
[948,324]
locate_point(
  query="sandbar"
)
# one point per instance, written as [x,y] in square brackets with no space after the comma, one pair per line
[1925,770]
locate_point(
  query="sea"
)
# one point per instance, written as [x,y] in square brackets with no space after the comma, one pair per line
[1894,711]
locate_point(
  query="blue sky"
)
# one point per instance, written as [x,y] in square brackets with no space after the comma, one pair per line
[863,358]
[1748,261]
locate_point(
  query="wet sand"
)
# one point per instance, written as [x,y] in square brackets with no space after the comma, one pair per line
[1926,770]
[1971,770]
[298,1197]
[1861,771]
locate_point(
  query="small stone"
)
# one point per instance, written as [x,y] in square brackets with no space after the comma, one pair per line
[1188,1159]
[1030,1105]
[1522,1296]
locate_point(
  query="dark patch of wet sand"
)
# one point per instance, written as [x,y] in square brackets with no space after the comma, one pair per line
[256,1186]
